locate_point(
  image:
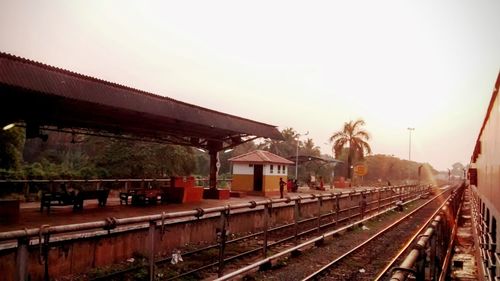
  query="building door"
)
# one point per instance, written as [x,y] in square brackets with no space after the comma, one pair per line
[257,177]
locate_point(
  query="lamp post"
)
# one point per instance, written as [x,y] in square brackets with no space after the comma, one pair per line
[409,153]
[297,156]
[409,145]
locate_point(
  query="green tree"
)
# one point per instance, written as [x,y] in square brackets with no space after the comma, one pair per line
[285,148]
[288,149]
[11,148]
[353,136]
[458,169]
[389,168]
[124,158]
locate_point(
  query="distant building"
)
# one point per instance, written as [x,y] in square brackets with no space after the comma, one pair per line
[258,172]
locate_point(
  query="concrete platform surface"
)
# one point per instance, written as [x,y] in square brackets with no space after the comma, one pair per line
[31,217]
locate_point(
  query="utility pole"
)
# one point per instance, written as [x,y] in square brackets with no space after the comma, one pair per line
[409,153]
[297,156]
[409,145]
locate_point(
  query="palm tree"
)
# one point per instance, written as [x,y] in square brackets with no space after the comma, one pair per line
[355,138]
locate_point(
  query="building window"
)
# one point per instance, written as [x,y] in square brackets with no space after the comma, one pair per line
[271,169]
[250,165]
[279,169]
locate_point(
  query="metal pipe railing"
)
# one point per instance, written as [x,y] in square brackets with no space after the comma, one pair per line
[45,233]
[438,236]
[34,232]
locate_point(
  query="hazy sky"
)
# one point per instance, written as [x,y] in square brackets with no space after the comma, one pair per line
[310,65]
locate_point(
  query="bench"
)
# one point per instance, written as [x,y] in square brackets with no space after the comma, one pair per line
[71,198]
[100,195]
[141,196]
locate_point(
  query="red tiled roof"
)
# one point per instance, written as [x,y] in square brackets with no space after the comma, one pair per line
[260,156]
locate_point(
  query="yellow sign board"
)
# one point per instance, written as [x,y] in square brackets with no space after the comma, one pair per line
[360,170]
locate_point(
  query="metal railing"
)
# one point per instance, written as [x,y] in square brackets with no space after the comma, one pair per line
[45,235]
[125,184]
[431,254]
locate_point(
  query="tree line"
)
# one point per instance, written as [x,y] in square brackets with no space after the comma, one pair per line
[65,156]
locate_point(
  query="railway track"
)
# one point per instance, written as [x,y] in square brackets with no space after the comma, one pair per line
[248,248]
[284,237]
[360,263]
[376,255]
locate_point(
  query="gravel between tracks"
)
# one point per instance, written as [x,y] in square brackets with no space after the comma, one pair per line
[363,265]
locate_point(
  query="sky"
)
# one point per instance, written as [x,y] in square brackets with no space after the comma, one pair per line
[310,65]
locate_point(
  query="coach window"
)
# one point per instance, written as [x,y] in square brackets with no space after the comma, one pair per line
[494,230]
[488,218]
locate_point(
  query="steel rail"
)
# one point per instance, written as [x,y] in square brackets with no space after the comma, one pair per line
[413,256]
[409,242]
[113,225]
[259,249]
[307,243]
[252,251]
[155,219]
[329,265]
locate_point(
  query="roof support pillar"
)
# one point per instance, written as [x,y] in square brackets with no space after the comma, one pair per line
[212,182]
[213,150]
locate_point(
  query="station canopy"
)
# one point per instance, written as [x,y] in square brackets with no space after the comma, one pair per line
[43,97]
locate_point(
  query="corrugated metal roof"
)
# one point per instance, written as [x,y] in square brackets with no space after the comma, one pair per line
[64,98]
[260,156]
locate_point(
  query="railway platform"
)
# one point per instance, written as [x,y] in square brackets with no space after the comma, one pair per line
[31,217]
[70,243]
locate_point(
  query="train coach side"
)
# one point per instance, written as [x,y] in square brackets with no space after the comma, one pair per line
[484,177]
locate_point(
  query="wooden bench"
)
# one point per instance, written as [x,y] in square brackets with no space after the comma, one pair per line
[72,198]
[100,195]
